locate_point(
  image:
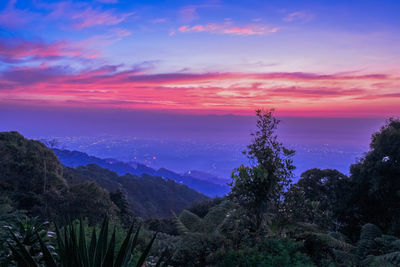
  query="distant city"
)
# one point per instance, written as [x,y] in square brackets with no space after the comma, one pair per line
[216,158]
[182,143]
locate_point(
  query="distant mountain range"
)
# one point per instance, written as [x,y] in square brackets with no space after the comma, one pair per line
[33,179]
[200,181]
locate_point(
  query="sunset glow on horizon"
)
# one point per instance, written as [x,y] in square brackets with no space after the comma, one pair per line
[339,59]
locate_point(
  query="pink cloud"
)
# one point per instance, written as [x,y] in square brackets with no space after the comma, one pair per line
[109,87]
[315,92]
[378,96]
[188,13]
[11,17]
[83,15]
[106,39]
[92,17]
[315,76]
[18,49]
[299,16]
[228,28]
[110,74]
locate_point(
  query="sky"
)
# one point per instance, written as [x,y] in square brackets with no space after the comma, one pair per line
[304,58]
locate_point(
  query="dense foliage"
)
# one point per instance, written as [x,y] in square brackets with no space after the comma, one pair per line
[148,196]
[325,219]
[32,247]
[375,182]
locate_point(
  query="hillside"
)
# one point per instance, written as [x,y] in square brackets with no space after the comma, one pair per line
[148,196]
[199,181]
[34,179]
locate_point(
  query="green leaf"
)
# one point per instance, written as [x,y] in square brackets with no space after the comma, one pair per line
[125,247]
[74,244]
[48,259]
[82,244]
[92,246]
[60,243]
[146,252]
[18,256]
[109,258]
[24,253]
[101,243]
[134,241]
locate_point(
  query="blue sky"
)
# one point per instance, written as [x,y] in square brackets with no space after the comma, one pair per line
[313,58]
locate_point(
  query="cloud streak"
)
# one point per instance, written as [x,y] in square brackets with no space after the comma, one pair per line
[16,49]
[110,87]
[299,16]
[229,29]
[92,17]
[12,17]
[74,15]
[188,13]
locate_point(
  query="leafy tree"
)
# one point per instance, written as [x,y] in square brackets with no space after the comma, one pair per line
[167,226]
[120,199]
[259,187]
[322,185]
[89,200]
[318,197]
[375,183]
[202,208]
[196,249]
[28,170]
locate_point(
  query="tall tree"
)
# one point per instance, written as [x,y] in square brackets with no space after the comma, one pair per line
[376,181]
[259,187]
[120,199]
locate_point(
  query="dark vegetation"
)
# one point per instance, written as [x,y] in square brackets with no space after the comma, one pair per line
[148,196]
[33,178]
[325,219]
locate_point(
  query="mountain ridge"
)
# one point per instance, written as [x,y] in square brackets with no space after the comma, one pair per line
[77,158]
